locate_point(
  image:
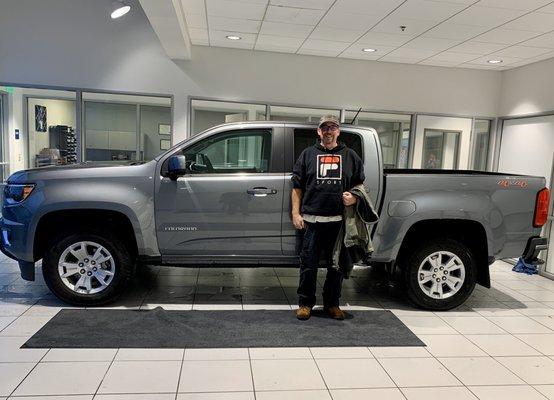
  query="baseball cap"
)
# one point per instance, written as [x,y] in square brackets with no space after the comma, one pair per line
[328,118]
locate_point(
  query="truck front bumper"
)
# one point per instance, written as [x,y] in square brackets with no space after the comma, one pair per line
[27,268]
[534,246]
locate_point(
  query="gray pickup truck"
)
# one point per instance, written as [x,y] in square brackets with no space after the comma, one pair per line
[222,198]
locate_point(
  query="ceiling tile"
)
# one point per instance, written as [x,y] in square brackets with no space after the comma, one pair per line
[403,52]
[478,66]
[218,38]
[324,53]
[335,34]
[234,45]
[505,60]
[453,56]
[314,4]
[339,19]
[538,22]
[293,15]
[413,26]
[437,63]
[233,24]
[278,49]
[542,57]
[199,36]
[194,6]
[196,21]
[525,5]
[427,10]
[485,16]
[428,43]
[466,2]
[386,39]
[505,36]
[235,9]
[401,60]
[371,7]
[281,41]
[359,56]
[548,9]
[546,40]
[474,47]
[448,30]
[357,53]
[324,45]
[521,52]
[289,30]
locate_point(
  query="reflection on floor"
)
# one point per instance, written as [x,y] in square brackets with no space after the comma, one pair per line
[499,345]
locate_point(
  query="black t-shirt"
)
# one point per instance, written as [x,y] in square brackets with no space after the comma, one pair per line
[323,175]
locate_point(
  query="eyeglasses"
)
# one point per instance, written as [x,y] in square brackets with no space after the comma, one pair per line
[329,128]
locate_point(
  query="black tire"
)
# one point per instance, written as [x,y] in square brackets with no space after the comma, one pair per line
[122,273]
[413,261]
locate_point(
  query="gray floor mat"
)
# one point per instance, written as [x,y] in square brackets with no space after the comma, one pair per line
[158,328]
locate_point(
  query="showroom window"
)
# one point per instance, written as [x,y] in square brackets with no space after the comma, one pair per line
[43,128]
[304,138]
[481,140]
[125,127]
[300,114]
[244,151]
[440,149]
[393,131]
[208,113]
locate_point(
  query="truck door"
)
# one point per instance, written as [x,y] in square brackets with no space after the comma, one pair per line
[230,201]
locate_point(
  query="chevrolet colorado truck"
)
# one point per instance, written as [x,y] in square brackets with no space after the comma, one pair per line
[222,198]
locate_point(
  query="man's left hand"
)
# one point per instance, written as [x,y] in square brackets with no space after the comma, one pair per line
[348,199]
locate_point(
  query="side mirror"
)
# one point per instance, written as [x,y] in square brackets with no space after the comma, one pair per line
[176,166]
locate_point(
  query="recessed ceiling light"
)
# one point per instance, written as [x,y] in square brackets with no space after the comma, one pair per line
[119,9]
[233,37]
[368,50]
[494,61]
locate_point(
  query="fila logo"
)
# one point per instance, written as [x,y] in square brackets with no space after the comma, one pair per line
[329,166]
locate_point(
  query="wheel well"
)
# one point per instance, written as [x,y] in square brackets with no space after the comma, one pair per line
[51,225]
[470,233]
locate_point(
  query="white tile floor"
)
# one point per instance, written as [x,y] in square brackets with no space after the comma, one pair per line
[499,345]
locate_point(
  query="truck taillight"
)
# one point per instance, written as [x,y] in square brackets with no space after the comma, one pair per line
[541,208]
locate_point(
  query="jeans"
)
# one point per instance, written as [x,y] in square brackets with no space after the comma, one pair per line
[319,240]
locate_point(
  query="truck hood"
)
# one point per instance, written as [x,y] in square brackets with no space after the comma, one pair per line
[88,168]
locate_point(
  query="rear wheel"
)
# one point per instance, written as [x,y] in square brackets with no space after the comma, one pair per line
[87,269]
[440,274]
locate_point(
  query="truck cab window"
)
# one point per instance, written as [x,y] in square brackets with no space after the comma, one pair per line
[307,137]
[244,151]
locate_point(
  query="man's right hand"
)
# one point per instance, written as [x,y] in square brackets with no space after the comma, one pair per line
[298,221]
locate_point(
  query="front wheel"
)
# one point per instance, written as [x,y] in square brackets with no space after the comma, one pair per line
[440,274]
[87,269]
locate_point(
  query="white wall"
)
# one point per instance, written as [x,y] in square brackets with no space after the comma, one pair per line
[528,89]
[443,123]
[73,43]
[528,146]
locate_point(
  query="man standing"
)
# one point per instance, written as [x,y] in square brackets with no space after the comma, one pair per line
[321,178]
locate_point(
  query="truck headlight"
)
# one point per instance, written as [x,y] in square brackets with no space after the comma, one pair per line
[17,193]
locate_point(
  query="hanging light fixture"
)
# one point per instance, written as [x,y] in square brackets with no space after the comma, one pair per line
[119,9]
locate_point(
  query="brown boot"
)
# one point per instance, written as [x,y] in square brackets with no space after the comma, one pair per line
[303,312]
[335,312]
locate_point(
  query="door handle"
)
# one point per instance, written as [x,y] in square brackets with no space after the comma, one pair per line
[261,191]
